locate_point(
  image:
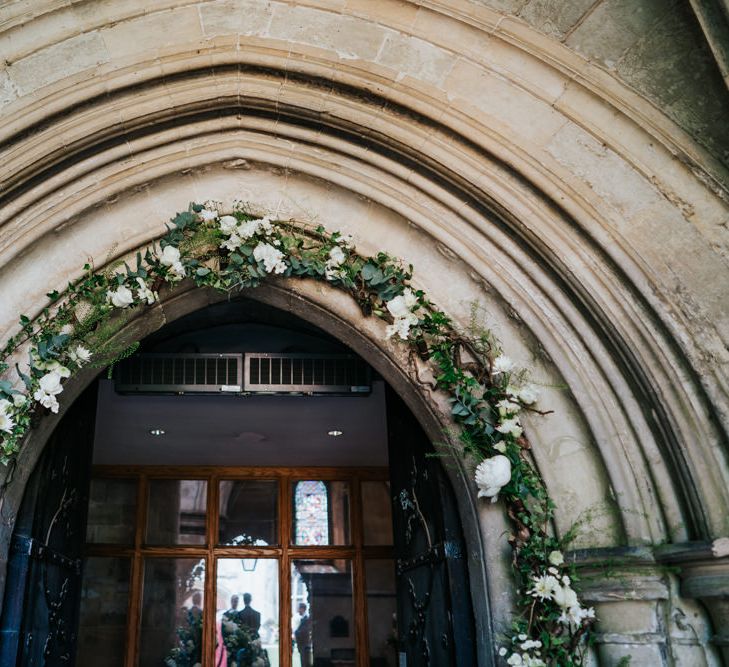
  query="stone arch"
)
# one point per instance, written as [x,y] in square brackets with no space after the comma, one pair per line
[586,223]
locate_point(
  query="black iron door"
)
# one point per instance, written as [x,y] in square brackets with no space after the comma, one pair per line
[435,618]
[40,610]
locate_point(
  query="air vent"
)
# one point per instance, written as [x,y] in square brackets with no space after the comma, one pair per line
[306,373]
[175,373]
[255,373]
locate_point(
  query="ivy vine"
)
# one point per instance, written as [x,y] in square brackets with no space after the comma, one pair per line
[240,250]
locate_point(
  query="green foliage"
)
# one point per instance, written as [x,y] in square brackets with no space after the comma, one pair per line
[242,257]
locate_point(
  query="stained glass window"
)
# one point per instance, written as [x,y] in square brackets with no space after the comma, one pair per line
[311,511]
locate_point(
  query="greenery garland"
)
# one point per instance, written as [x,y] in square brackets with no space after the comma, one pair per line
[239,250]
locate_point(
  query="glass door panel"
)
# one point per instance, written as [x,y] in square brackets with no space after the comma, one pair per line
[248,512]
[176,511]
[320,513]
[381,612]
[112,511]
[322,613]
[172,612]
[247,612]
[102,633]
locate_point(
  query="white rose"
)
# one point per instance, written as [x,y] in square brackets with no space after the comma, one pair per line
[228,223]
[272,258]
[401,327]
[121,297]
[556,558]
[19,400]
[5,405]
[507,407]
[170,256]
[502,364]
[565,597]
[400,306]
[336,256]
[528,395]
[50,383]
[144,293]
[510,427]
[232,243]
[515,660]
[207,214]
[491,475]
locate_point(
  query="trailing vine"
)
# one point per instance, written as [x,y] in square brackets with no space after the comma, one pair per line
[240,250]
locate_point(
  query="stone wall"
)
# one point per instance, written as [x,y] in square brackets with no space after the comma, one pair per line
[512,171]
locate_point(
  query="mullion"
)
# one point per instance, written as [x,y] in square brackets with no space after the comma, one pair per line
[285,554]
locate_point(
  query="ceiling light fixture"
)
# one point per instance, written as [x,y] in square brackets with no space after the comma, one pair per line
[156,431]
[335,433]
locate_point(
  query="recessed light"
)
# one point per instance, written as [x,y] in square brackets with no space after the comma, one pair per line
[334,433]
[156,431]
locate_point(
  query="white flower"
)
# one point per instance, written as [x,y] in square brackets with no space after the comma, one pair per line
[49,387]
[556,558]
[6,422]
[507,407]
[522,637]
[401,309]
[346,241]
[510,427]
[515,660]
[502,651]
[575,615]
[121,297]
[5,405]
[544,587]
[19,400]
[247,229]
[491,475]
[502,364]
[207,215]
[232,243]
[400,327]
[530,644]
[272,258]
[528,395]
[171,257]
[144,293]
[566,580]
[228,223]
[565,597]
[336,256]
[400,306]
[80,355]
[500,447]
[56,366]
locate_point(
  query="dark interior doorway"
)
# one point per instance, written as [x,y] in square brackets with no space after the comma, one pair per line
[152,515]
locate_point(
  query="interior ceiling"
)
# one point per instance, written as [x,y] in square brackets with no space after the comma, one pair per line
[241,431]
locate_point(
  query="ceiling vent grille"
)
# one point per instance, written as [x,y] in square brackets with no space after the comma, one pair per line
[307,373]
[255,373]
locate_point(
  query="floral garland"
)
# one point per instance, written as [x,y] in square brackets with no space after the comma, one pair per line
[239,250]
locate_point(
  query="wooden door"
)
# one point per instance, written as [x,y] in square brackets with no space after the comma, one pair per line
[435,622]
[40,612]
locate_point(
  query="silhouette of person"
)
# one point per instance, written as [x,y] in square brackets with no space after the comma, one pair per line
[303,637]
[249,617]
[195,611]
